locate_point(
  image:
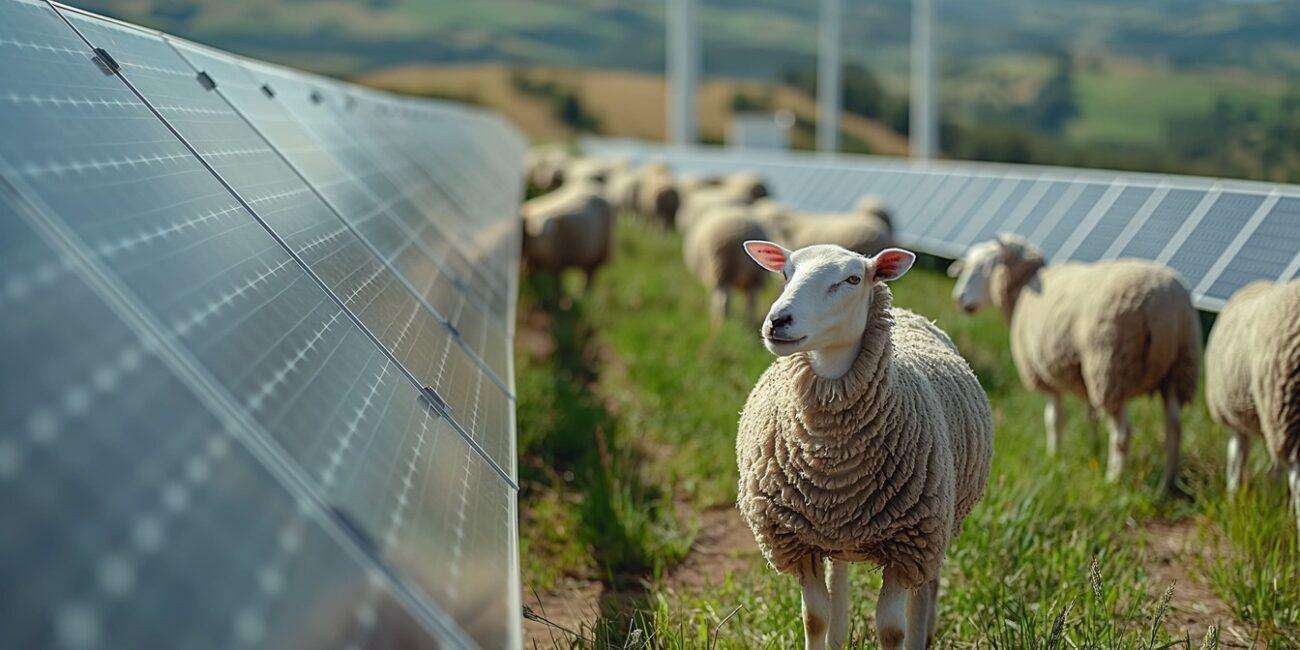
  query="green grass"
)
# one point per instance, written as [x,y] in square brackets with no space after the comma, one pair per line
[1052,557]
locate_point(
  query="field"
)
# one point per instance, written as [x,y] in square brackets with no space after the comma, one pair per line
[627,410]
[628,104]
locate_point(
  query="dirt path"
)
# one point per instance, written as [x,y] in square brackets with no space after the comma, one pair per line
[1175,553]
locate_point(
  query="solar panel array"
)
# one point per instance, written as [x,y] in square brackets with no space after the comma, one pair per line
[257,386]
[1219,234]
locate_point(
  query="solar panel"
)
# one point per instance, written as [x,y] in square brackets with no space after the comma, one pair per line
[1264,254]
[309,357]
[124,490]
[1218,234]
[1176,208]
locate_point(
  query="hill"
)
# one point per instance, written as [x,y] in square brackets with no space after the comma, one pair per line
[621,102]
[746,38]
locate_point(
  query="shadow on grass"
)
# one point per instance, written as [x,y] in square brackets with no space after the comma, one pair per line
[570,441]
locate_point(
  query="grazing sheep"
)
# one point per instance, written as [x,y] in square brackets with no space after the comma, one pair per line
[1106,332]
[1252,377]
[714,252]
[875,206]
[545,169]
[736,189]
[869,439]
[571,227]
[862,231]
[658,197]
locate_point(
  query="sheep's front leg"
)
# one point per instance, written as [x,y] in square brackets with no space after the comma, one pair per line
[719,304]
[1117,422]
[816,605]
[1053,420]
[919,605]
[1173,444]
[1238,454]
[838,582]
[891,612]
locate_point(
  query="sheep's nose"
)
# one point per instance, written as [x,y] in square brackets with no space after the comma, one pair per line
[781,320]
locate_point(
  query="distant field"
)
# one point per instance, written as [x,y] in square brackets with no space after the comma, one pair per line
[1120,101]
[626,103]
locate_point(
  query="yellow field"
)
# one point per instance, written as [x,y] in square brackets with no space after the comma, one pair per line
[626,103]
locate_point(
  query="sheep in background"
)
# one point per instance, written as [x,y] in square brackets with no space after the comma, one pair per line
[594,170]
[544,169]
[1106,332]
[1252,378]
[571,227]
[862,231]
[714,252]
[736,189]
[869,439]
[658,197]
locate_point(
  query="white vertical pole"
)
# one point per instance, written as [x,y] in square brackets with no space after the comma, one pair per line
[829,85]
[683,71]
[924,128]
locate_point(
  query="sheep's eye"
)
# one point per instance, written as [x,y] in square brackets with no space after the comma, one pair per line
[853,279]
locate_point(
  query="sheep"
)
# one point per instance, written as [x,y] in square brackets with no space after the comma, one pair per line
[545,169]
[736,189]
[658,197]
[862,231]
[1106,332]
[571,227]
[868,439]
[1252,378]
[713,252]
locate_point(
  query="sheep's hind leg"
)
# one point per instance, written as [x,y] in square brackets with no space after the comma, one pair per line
[816,604]
[933,622]
[1120,432]
[919,605]
[1054,421]
[1238,454]
[1173,445]
[891,612]
[838,582]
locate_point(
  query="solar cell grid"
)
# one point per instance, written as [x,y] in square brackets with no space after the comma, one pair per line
[1266,253]
[396,247]
[1211,236]
[123,490]
[983,224]
[1092,238]
[1159,227]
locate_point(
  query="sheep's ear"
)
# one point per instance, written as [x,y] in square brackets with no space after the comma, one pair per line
[891,263]
[768,255]
[954,269]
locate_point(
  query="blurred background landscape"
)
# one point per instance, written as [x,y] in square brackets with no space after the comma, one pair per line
[1184,86]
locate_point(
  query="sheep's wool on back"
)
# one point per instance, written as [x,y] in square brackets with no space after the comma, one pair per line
[881,465]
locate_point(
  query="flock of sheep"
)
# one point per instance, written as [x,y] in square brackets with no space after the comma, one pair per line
[869,438]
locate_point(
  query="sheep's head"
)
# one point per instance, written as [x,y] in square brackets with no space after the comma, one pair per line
[975,270]
[827,296]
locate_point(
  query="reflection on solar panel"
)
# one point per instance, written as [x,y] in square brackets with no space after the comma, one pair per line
[259,387]
[1219,234]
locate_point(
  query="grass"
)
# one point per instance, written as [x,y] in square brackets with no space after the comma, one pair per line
[1052,557]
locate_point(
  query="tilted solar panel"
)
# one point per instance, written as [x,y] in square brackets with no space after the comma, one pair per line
[323,402]
[134,515]
[1217,234]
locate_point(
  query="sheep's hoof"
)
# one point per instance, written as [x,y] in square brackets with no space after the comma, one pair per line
[891,638]
[1174,493]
